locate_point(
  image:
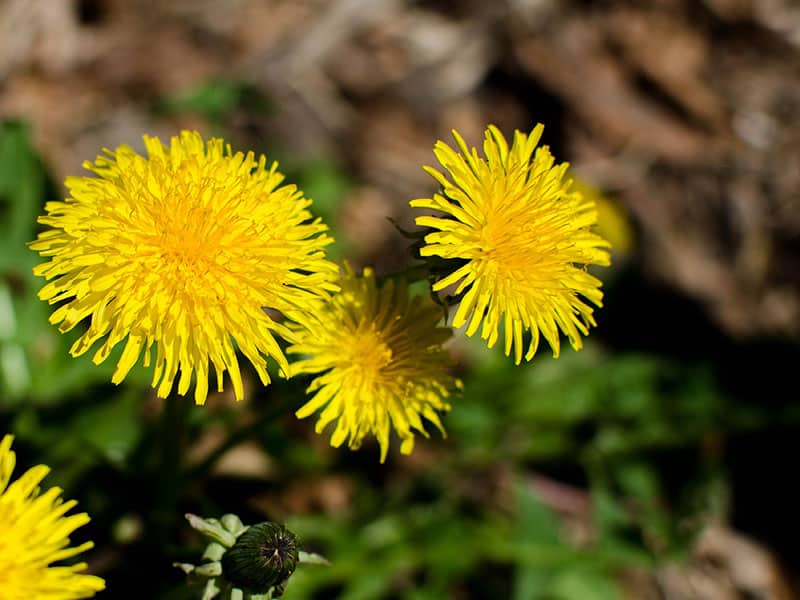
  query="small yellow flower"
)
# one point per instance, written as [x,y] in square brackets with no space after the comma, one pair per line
[522,240]
[184,248]
[34,534]
[613,223]
[380,363]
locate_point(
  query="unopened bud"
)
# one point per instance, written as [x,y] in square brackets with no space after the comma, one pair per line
[263,557]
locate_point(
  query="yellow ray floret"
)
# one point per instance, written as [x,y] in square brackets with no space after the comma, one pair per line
[185,249]
[522,239]
[34,534]
[379,361]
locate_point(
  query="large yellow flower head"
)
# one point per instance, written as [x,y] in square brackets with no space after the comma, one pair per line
[379,361]
[184,248]
[521,238]
[34,534]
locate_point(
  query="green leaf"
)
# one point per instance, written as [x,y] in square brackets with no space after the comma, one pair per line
[577,584]
[112,427]
[535,521]
[22,188]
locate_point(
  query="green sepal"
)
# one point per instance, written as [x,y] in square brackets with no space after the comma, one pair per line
[212,529]
[211,569]
[211,590]
[185,567]
[311,558]
[233,524]
[214,551]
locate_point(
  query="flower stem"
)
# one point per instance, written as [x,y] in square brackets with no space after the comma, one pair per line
[174,421]
[412,273]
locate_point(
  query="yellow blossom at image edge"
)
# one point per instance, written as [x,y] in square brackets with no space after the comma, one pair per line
[34,534]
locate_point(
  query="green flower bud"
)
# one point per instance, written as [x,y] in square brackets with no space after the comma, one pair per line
[263,557]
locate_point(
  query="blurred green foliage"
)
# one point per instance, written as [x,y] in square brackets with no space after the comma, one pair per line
[35,365]
[602,419]
[216,101]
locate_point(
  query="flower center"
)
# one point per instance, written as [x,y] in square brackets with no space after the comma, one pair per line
[508,243]
[186,244]
[185,239]
[369,354]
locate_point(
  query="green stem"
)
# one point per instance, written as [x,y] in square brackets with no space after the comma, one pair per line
[413,273]
[173,441]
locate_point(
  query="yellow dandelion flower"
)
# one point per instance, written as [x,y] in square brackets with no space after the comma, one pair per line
[184,248]
[380,363]
[34,534]
[522,240]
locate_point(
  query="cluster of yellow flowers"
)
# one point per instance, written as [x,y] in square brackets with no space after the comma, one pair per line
[195,249]
[205,253]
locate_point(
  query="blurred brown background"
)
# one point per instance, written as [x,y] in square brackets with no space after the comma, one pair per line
[685,111]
